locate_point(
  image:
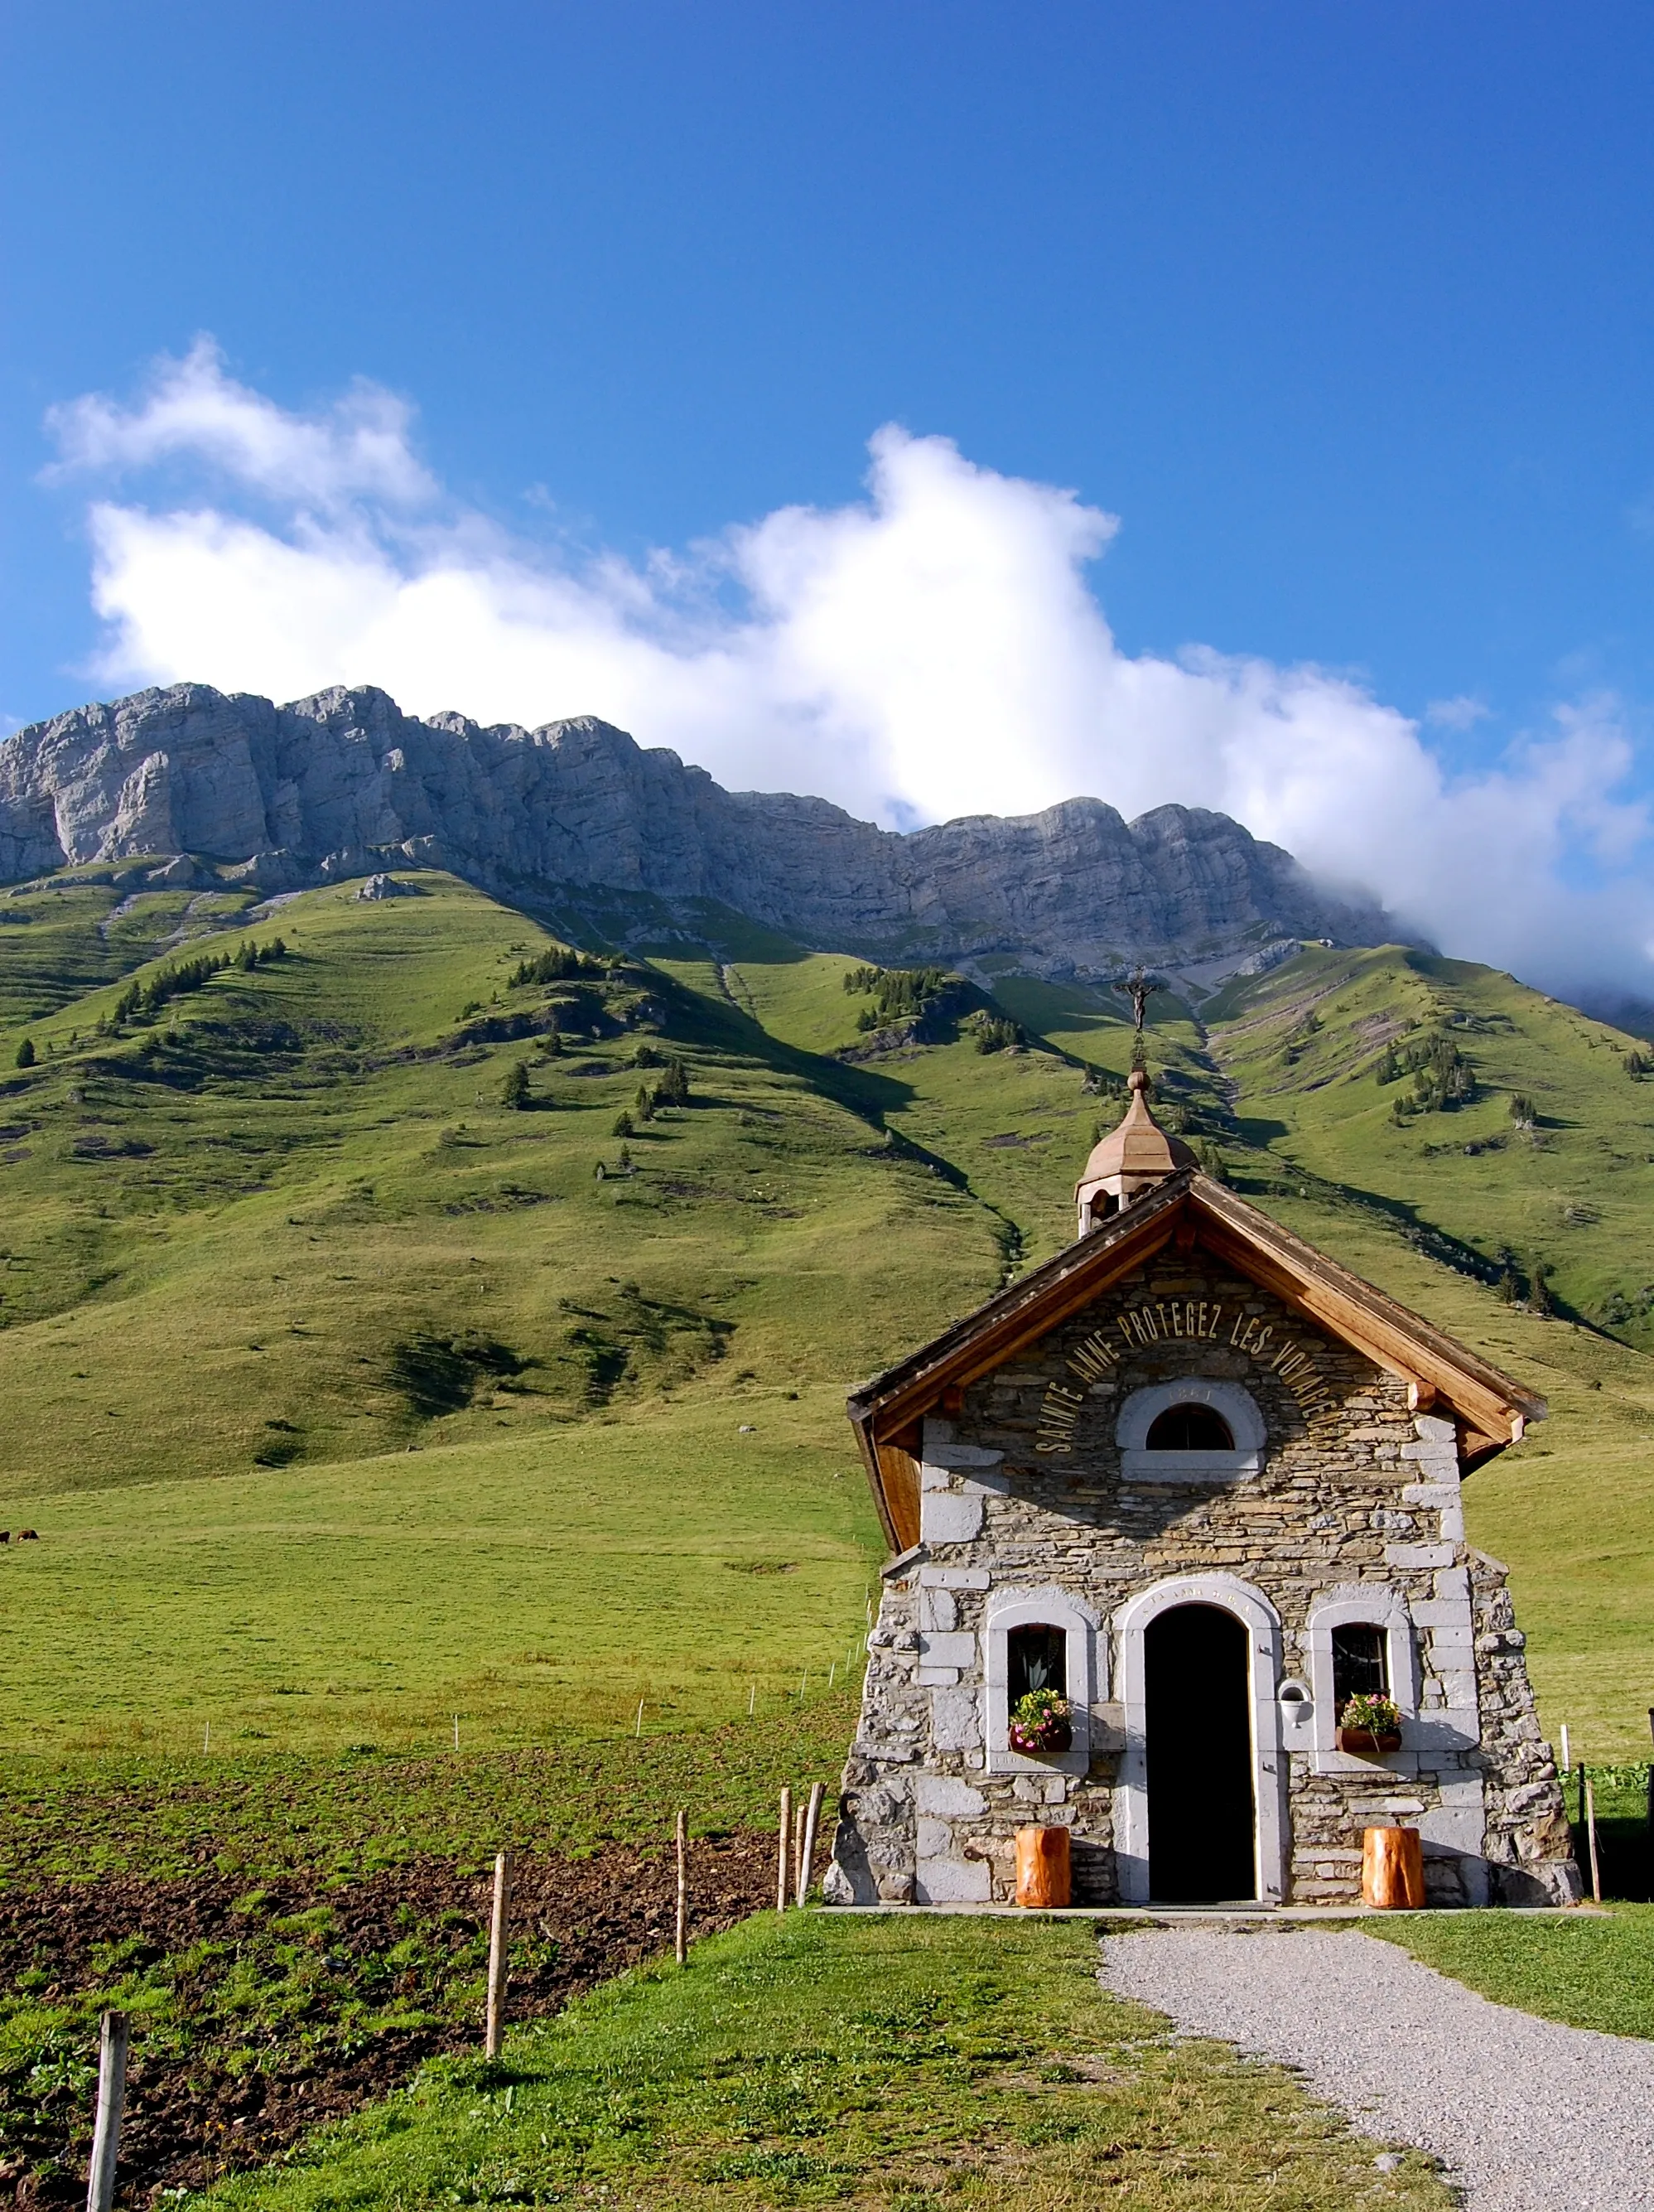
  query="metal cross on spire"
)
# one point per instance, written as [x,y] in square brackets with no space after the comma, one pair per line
[1140,987]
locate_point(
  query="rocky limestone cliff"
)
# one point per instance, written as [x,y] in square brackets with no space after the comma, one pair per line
[345,783]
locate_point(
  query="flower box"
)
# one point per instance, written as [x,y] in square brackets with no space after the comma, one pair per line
[1369,1743]
[1369,1725]
[1037,1725]
[1045,1741]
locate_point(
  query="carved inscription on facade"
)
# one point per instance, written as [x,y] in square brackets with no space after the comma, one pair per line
[1174,1320]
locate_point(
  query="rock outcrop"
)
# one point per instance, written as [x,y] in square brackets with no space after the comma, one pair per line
[345,784]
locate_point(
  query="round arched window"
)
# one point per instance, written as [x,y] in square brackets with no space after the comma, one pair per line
[1190,1427]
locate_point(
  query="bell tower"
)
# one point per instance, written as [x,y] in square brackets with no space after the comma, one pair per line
[1129,1161]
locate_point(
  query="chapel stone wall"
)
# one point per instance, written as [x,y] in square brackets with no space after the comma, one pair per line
[1024,1490]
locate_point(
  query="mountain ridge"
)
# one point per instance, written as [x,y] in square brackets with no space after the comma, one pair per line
[343,782]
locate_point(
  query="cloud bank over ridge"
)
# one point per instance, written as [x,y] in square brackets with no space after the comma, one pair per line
[932,650]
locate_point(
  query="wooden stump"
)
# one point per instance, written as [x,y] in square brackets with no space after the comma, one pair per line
[1042,1866]
[1392,1869]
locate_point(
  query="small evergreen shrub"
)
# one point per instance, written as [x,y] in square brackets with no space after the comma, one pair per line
[899,994]
[994,1033]
[555,965]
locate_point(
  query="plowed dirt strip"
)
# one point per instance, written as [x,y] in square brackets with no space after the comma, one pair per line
[259,2012]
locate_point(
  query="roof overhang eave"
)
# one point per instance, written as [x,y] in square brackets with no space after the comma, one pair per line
[1490,1409]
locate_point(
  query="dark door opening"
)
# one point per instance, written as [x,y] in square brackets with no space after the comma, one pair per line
[1199,1741]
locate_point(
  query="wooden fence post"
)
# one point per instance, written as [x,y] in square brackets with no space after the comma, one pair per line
[807,1855]
[496,2028]
[681,1946]
[783,1849]
[1590,1832]
[112,2101]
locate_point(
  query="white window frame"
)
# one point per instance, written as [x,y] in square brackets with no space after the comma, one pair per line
[1263,1625]
[1143,1407]
[1375,1605]
[1086,1668]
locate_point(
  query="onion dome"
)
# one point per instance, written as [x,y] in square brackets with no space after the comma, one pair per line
[1129,1161]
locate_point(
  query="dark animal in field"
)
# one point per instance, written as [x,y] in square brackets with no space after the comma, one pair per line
[5,1536]
[28,1535]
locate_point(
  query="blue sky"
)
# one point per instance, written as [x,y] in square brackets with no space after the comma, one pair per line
[1343,313]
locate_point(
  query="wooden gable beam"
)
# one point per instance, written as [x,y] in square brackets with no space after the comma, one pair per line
[1441,1374]
[1429,1370]
[898,1476]
[955,1371]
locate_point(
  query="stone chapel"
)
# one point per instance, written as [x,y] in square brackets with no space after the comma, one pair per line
[1203,1484]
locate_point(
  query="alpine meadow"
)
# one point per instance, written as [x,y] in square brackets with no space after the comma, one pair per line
[406,1252]
[426,1324]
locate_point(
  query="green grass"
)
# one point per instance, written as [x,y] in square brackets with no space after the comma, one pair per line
[345,1399]
[1575,1194]
[218,1372]
[535,1587]
[881,2062]
[1571,1511]
[91,926]
[244,1808]
[1590,1970]
[299,1212]
[254,1251]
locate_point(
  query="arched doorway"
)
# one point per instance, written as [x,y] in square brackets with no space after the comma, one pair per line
[1197,1724]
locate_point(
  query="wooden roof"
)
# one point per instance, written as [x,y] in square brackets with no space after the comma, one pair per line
[1445,1376]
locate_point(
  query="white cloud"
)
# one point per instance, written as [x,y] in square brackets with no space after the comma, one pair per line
[931,650]
[358,448]
[1460,713]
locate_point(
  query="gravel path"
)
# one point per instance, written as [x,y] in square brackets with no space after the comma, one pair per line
[1526,2115]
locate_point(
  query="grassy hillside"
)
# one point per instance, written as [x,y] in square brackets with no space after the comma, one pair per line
[402,1409]
[395,1405]
[248,1228]
[1543,1168]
